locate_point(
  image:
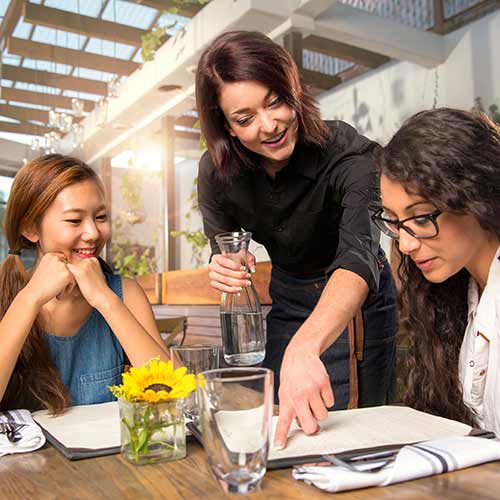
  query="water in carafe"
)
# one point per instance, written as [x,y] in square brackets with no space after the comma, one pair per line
[240,313]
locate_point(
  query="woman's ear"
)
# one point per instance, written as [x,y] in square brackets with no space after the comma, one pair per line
[31,235]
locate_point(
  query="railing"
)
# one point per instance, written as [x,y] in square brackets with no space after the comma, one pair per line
[415,13]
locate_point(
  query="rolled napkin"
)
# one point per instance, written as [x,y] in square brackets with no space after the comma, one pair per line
[31,435]
[412,462]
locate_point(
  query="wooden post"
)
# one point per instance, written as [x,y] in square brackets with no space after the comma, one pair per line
[438,17]
[107,181]
[168,175]
[293,43]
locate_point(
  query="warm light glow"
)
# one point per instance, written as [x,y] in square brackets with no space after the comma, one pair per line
[149,158]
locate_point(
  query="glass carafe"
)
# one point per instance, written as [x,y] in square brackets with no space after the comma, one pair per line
[240,313]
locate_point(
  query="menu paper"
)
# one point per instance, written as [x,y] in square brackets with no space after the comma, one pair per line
[361,428]
[91,427]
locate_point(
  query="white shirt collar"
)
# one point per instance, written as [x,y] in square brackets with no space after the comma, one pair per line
[483,308]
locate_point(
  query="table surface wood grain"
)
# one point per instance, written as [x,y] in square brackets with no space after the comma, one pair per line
[46,474]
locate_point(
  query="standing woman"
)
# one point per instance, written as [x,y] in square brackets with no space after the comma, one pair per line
[67,324]
[302,187]
[440,187]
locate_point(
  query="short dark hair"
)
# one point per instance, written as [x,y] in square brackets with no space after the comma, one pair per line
[238,56]
[452,159]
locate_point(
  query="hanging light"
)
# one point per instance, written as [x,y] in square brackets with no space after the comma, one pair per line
[65,122]
[77,107]
[101,112]
[35,144]
[77,137]
[53,118]
[114,86]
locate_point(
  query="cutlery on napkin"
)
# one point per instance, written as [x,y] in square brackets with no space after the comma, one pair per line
[411,462]
[19,433]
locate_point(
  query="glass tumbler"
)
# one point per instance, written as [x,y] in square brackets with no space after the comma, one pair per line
[196,358]
[236,406]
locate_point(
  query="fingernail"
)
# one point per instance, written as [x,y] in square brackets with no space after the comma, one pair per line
[249,275]
[248,283]
[243,268]
[253,269]
[279,446]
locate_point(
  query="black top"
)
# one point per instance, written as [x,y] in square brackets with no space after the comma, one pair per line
[313,216]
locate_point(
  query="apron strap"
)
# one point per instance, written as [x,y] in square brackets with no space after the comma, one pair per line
[356,336]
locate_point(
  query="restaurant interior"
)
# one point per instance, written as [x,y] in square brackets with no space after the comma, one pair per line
[112,83]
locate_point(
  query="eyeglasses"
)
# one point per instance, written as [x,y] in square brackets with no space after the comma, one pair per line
[423,226]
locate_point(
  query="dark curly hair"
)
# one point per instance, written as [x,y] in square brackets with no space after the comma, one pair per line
[451,158]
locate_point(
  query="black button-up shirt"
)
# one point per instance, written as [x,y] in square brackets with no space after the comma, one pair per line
[313,216]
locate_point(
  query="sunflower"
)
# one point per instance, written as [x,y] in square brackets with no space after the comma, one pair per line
[155,381]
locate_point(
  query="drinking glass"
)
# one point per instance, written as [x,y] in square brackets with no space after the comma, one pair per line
[196,358]
[236,406]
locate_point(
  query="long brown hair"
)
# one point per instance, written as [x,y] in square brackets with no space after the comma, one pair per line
[451,158]
[34,189]
[238,56]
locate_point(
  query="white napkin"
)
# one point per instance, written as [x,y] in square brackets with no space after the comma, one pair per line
[32,436]
[412,462]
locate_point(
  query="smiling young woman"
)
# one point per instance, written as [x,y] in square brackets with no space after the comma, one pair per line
[302,186]
[440,187]
[68,324]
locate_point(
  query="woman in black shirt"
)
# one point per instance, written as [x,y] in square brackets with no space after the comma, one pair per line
[302,186]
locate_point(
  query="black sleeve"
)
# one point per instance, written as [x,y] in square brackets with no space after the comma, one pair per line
[356,182]
[215,213]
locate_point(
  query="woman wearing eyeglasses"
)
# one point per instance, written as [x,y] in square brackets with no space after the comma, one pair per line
[440,188]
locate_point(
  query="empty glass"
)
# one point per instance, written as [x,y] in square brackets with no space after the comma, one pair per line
[236,406]
[196,358]
[240,313]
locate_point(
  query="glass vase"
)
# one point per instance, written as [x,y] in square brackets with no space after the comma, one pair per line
[152,432]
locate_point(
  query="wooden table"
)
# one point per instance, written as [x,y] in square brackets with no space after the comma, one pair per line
[46,474]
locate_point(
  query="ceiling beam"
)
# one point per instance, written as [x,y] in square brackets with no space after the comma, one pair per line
[186,121]
[55,101]
[187,10]
[320,80]
[185,134]
[84,25]
[24,114]
[352,26]
[16,73]
[48,52]
[10,19]
[343,51]
[23,128]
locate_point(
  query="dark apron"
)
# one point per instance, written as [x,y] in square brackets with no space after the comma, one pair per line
[295,297]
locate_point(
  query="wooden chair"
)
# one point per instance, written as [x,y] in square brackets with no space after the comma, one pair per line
[170,328]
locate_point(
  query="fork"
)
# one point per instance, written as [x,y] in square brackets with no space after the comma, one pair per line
[11,430]
[377,463]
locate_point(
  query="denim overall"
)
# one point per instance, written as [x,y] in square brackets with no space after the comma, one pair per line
[295,297]
[91,359]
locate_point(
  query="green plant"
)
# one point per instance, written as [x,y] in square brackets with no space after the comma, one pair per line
[493,109]
[197,238]
[151,41]
[131,259]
